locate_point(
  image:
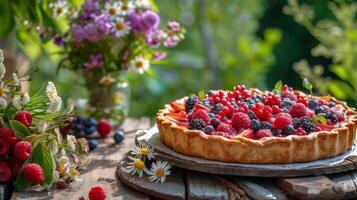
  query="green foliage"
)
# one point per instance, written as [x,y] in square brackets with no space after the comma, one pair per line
[278,87]
[19,129]
[319,118]
[337,41]
[307,85]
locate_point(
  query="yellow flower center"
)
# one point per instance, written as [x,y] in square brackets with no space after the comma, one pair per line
[144,151]
[160,172]
[2,91]
[120,26]
[139,164]
[125,6]
[59,11]
[139,64]
[112,11]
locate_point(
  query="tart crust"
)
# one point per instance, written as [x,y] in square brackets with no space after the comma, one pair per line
[269,150]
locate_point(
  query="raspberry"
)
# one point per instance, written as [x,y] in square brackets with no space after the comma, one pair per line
[201,114]
[263,133]
[4,147]
[299,131]
[226,128]
[16,167]
[34,173]
[5,172]
[24,117]
[97,193]
[262,112]
[298,110]
[248,133]
[282,120]
[240,120]
[288,95]
[104,127]
[196,124]
[8,135]
[22,150]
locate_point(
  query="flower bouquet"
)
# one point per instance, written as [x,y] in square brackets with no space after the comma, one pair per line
[32,150]
[108,38]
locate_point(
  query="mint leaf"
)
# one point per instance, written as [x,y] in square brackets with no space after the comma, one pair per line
[319,118]
[307,85]
[42,156]
[20,130]
[202,94]
[278,87]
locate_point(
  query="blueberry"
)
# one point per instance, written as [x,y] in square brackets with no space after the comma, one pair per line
[288,130]
[211,115]
[285,110]
[286,103]
[319,109]
[278,132]
[92,143]
[329,114]
[215,122]
[252,115]
[331,104]
[313,104]
[296,122]
[256,125]
[266,125]
[208,129]
[334,118]
[89,130]
[90,122]
[118,137]
[80,133]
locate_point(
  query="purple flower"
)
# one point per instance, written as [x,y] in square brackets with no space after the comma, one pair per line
[170,42]
[154,38]
[150,21]
[95,61]
[77,33]
[174,26]
[135,21]
[98,29]
[90,7]
[159,55]
[59,41]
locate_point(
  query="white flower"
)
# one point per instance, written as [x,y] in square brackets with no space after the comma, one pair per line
[120,27]
[142,4]
[63,166]
[2,66]
[71,141]
[106,80]
[158,172]
[19,100]
[16,79]
[140,64]
[55,105]
[51,91]
[42,126]
[54,146]
[136,166]
[126,8]
[3,90]
[1,56]
[3,102]
[113,9]
[143,151]
[59,8]
[73,173]
[56,176]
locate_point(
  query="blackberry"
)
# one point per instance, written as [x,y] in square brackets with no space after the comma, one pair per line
[217,108]
[206,103]
[249,102]
[307,125]
[215,122]
[196,124]
[319,109]
[331,104]
[313,104]
[252,115]
[296,122]
[329,114]
[256,98]
[255,124]
[334,118]
[285,110]
[266,125]
[208,129]
[190,103]
[286,103]
[278,132]
[289,130]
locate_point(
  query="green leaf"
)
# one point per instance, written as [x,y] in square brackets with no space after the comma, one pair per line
[278,87]
[20,130]
[7,18]
[340,71]
[307,85]
[202,94]
[319,118]
[42,156]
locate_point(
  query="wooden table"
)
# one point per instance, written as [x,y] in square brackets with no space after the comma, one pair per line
[100,171]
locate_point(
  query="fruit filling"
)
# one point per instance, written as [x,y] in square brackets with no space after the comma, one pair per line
[254,114]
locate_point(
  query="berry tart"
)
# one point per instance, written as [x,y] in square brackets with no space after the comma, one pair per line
[252,126]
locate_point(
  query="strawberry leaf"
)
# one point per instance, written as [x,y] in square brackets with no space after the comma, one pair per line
[20,130]
[278,87]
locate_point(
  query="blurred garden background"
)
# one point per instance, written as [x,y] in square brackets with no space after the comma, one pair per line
[227,42]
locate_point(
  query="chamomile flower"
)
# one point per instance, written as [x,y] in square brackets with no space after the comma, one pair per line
[3,102]
[3,90]
[126,8]
[55,105]
[71,141]
[51,91]
[120,27]
[73,173]
[139,64]
[158,171]
[107,80]
[42,126]
[143,151]
[59,8]
[2,66]
[63,166]
[20,100]
[16,79]
[142,3]
[136,166]
[113,9]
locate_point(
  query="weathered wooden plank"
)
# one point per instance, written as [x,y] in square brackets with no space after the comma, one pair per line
[172,189]
[204,186]
[5,191]
[100,171]
[313,187]
[125,192]
[260,188]
[346,184]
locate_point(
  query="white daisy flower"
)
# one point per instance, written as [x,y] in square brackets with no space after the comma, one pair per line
[63,166]
[120,27]
[136,166]
[55,105]
[126,8]
[140,64]
[42,126]
[107,80]
[113,9]
[3,90]
[2,66]
[73,173]
[20,100]
[56,176]
[158,172]
[51,91]
[59,8]
[16,79]
[142,4]
[71,141]
[3,102]
[143,151]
